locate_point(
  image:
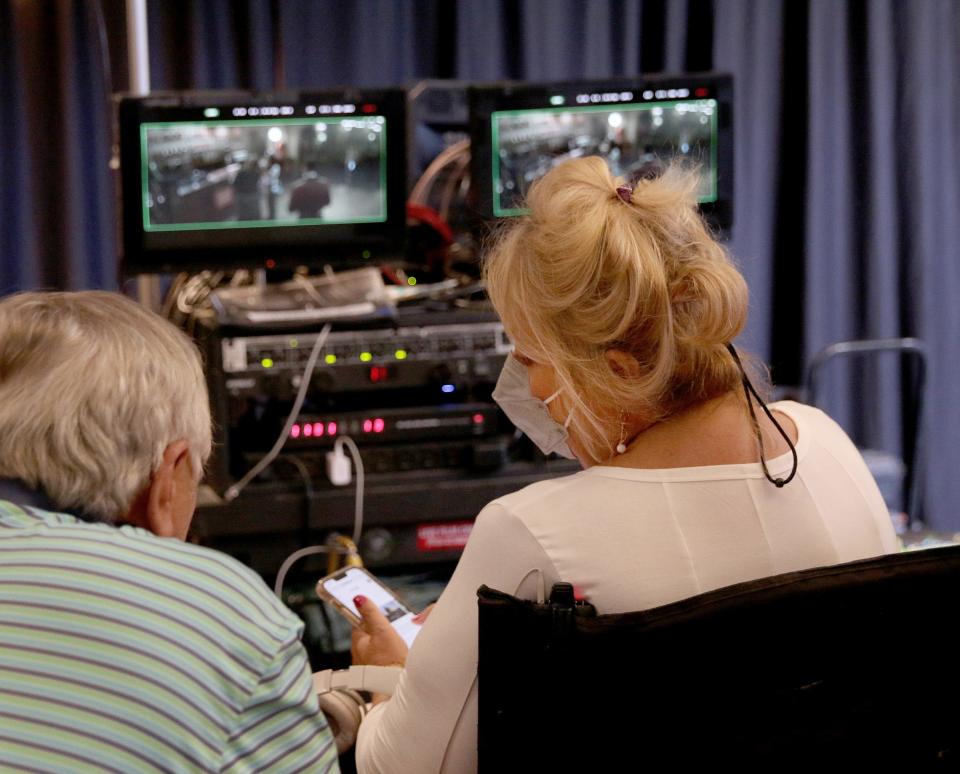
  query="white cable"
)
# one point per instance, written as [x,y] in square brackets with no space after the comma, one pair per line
[346,440]
[422,188]
[297,556]
[234,491]
[308,286]
[343,440]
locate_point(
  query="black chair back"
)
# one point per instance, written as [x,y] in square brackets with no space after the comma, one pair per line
[854,664]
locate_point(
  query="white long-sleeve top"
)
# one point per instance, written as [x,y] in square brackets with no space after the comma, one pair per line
[627,539]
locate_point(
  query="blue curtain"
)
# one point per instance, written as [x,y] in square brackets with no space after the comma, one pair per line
[883,214]
[213,44]
[847,169]
[57,223]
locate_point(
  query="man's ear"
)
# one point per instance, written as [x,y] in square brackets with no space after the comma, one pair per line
[623,363]
[162,494]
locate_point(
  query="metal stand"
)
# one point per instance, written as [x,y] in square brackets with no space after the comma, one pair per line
[908,346]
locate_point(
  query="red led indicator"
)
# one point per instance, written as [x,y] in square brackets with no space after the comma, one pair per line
[478,419]
[701,92]
[368,107]
[308,430]
[378,374]
[295,431]
[271,264]
[368,425]
[378,425]
[331,428]
[318,429]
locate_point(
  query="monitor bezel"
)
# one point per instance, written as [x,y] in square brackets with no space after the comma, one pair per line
[342,245]
[486,99]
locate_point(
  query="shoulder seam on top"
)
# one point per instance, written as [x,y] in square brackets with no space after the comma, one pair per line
[526,529]
[857,483]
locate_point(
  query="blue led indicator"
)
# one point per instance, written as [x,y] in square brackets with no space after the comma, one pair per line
[447,388]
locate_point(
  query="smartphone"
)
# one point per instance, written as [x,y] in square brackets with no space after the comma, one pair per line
[342,586]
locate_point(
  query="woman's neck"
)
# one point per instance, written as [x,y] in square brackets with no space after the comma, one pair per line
[717,431]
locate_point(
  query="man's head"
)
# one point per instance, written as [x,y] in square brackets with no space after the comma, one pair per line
[103,406]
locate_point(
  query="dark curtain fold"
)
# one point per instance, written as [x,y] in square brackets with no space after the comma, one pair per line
[211,44]
[847,168]
[748,43]
[58,209]
[567,39]
[17,232]
[364,42]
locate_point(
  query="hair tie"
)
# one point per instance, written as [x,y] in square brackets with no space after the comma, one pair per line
[625,192]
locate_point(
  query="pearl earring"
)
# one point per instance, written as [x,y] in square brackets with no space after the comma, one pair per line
[622,446]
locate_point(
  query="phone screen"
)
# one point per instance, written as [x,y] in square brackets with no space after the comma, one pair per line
[353,581]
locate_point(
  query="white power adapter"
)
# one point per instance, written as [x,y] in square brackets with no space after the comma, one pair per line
[339,470]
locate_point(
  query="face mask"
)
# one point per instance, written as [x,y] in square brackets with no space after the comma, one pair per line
[529,413]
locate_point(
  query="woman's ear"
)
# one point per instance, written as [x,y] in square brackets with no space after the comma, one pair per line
[623,363]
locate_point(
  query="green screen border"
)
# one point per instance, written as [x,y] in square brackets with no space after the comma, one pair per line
[234,224]
[608,107]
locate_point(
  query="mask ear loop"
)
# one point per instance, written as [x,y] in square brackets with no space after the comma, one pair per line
[553,397]
[749,390]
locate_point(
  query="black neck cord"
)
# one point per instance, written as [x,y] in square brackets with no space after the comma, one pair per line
[749,390]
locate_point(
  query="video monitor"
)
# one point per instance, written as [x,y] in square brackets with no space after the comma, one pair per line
[210,180]
[521,131]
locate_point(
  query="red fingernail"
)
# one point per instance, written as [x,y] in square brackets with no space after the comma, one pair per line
[359,600]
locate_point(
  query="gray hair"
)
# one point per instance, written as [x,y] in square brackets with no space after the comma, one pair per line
[93,388]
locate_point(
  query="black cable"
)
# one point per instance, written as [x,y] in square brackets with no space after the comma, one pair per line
[748,390]
[308,492]
[329,646]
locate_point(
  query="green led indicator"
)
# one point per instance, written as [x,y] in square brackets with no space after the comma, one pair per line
[294,343]
[331,359]
[366,357]
[557,99]
[401,354]
[267,362]
[366,253]
[411,280]
[211,113]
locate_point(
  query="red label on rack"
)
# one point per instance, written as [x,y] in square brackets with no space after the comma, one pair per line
[450,536]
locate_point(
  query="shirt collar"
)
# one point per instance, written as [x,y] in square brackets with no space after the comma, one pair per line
[20,494]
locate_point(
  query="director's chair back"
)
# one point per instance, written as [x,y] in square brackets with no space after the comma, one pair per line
[854,664]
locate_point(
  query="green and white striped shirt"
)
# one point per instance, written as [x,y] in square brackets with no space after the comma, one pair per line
[124,652]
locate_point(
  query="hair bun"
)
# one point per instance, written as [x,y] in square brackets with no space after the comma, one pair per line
[711,308]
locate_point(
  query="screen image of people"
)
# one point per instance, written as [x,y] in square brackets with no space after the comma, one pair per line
[287,172]
[634,139]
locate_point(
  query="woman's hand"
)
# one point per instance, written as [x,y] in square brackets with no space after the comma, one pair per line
[375,641]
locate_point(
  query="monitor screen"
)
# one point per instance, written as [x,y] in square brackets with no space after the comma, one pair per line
[520,131]
[266,173]
[224,179]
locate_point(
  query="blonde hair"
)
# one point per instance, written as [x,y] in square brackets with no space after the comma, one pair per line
[587,272]
[93,387]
